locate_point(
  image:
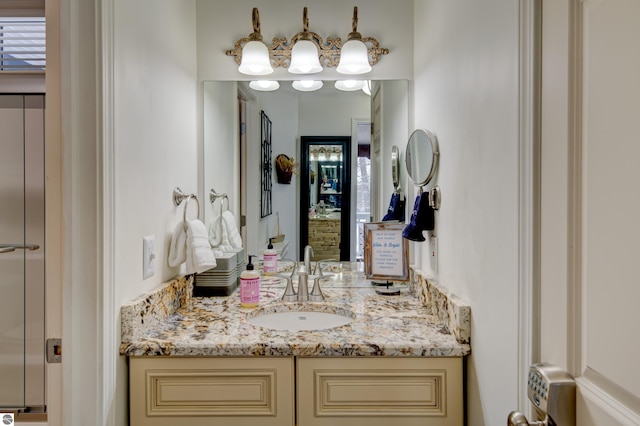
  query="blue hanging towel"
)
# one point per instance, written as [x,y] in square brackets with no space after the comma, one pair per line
[396,208]
[422,219]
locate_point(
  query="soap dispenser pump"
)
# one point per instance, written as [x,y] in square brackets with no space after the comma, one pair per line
[249,286]
[270,260]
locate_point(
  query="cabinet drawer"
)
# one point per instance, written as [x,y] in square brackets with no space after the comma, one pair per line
[380,391]
[238,391]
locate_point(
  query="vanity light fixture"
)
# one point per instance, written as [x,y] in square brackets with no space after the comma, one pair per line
[307,52]
[264,85]
[305,57]
[354,57]
[255,54]
[322,154]
[307,85]
[349,85]
[367,87]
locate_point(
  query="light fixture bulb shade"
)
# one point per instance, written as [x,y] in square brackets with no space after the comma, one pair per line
[349,85]
[367,87]
[354,58]
[307,85]
[255,59]
[305,58]
[264,85]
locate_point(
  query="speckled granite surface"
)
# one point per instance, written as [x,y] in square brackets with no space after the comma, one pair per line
[171,322]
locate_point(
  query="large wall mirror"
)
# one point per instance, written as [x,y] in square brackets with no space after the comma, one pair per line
[231,164]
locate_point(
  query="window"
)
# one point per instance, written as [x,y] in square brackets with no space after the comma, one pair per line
[22,44]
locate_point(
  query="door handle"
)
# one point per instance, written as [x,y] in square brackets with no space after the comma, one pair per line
[6,248]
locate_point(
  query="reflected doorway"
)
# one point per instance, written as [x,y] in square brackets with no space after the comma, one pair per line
[325,196]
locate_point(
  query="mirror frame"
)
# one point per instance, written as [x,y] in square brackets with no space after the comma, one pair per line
[345,210]
[395,166]
[435,153]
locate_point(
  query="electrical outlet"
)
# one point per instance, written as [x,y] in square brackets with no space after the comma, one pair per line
[433,254]
[147,257]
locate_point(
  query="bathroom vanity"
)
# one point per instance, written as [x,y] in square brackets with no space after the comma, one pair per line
[194,361]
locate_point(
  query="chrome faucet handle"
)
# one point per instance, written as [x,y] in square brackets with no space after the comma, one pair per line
[295,266]
[319,265]
[316,293]
[289,294]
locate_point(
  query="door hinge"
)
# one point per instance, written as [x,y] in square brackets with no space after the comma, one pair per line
[54,351]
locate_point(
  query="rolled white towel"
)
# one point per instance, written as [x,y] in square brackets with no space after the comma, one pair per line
[229,221]
[178,246]
[199,254]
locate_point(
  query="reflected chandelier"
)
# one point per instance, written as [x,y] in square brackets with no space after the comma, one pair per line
[307,51]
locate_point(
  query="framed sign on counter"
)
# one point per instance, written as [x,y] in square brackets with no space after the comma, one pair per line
[386,253]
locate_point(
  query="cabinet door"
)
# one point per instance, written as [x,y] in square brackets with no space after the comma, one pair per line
[205,391]
[379,391]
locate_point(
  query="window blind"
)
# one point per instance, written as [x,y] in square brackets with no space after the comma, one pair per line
[22,44]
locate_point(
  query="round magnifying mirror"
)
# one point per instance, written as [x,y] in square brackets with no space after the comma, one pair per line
[395,166]
[421,156]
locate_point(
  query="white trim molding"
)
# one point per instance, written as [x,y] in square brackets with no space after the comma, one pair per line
[529,190]
[107,205]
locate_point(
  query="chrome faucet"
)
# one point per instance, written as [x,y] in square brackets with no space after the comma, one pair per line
[308,253]
[303,288]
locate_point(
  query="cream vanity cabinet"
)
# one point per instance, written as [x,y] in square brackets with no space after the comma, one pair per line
[264,391]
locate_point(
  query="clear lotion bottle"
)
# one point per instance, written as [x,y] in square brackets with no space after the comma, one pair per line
[270,260]
[249,286]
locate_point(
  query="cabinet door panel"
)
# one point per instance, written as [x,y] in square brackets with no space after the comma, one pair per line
[198,391]
[379,391]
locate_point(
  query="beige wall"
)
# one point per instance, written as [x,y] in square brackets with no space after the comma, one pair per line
[465,90]
[155,143]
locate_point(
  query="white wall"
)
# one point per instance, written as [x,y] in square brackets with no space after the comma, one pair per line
[294,115]
[221,24]
[221,152]
[282,110]
[395,131]
[155,132]
[466,92]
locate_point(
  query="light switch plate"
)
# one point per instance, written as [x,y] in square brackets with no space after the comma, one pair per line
[147,257]
[433,254]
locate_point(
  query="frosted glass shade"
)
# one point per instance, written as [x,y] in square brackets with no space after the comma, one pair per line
[304,58]
[367,87]
[354,58]
[349,85]
[255,59]
[264,85]
[307,85]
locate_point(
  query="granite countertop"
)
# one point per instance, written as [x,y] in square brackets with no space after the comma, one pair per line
[424,320]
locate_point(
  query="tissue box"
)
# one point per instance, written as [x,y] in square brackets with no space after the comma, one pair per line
[221,280]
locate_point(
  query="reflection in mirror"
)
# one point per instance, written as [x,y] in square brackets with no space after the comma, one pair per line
[325,196]
[421,156]
[231,147]
[395,167]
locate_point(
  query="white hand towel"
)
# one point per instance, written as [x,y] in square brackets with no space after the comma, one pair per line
[215,232]
[218,235]
[178,246]
[232,230]
[199,254]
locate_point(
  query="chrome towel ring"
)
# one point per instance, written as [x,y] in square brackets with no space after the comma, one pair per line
[178,197]
[213,196]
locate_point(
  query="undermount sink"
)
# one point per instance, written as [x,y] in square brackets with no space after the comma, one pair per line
[300,320]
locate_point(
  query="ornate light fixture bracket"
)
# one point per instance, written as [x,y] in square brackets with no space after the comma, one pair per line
[329,51]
